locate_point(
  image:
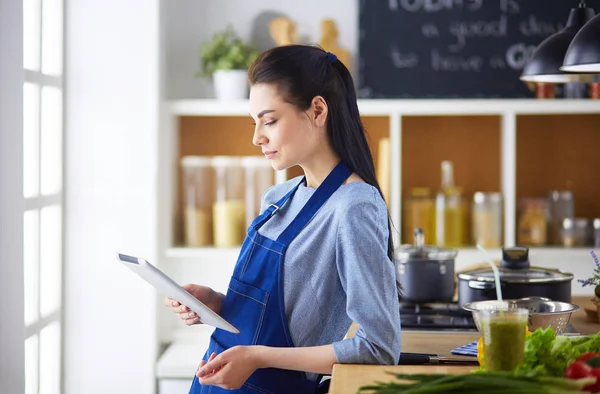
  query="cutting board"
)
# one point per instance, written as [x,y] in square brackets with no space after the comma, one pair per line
[591,312]
[348,378]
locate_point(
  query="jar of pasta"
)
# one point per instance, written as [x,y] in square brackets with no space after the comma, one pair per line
[260,176]
[197,200]
[229,208]
[487,219]
[532,224]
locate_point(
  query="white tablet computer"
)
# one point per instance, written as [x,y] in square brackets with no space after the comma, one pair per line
[171,289]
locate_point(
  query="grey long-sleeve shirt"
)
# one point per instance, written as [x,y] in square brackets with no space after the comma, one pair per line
[337,271]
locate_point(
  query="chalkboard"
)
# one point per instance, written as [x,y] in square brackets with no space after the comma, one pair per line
[452,48]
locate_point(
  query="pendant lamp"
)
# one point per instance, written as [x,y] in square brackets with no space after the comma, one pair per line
[545,64]
[583,55]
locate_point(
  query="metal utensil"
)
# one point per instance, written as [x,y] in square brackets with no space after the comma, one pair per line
[424,359]
[543,313]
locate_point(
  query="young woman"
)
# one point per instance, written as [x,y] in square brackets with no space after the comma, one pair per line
[320,255]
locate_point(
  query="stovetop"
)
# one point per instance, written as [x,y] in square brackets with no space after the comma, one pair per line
[436,317]
[444,317]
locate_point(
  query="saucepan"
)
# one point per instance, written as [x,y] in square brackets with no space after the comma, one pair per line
[426,272]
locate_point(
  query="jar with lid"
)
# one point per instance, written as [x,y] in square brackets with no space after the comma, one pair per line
[561,207]
[486,218]
[576,232]
[197,200]
[229,216]
[532,224]
[419,212]
[259,177]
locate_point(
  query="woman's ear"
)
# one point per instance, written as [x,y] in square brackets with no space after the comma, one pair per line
[319,111]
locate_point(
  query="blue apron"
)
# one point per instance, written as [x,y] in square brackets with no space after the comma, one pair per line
[254,300]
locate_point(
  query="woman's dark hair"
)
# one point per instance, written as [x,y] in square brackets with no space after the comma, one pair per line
[302,72]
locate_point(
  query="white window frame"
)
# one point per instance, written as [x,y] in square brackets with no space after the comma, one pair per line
[40,201]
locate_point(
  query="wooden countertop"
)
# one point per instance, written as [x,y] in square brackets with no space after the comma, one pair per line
[348,378]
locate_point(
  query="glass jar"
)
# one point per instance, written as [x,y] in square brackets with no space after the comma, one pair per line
[259,177]
[487,219]
[576,232]
[597,233]
[197,200]
[418,212]
[532,224]
[229,208]
[561,207]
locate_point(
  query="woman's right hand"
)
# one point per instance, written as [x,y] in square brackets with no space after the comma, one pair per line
[204,294]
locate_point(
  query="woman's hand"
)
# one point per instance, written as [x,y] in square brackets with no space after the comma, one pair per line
[206,295]
[230,369]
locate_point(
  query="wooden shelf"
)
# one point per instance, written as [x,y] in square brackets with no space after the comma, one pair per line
[560,152]
[519,147]
[464,140]
[433,107]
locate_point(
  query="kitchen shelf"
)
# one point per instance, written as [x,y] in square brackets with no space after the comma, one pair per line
[487,139]
[431,107]
[210,253]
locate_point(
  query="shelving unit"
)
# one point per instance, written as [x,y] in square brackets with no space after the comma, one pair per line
[487,139]
[518,147]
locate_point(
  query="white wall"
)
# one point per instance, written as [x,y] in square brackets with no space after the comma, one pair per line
[12,331]
[189,22]
[112,107]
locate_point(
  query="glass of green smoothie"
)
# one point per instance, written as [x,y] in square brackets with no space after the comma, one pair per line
[503,333]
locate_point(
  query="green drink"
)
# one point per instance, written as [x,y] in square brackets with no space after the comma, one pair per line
[503,338]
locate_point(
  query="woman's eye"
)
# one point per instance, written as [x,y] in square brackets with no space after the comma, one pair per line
[270,123]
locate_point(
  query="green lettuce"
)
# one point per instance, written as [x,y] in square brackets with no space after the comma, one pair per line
[548,354]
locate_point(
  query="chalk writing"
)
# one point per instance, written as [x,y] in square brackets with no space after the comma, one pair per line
[432,6]
[467,29]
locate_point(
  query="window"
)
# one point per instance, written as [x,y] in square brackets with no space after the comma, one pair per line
[42,190]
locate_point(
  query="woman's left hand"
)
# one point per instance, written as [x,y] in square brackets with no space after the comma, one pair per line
[230,369]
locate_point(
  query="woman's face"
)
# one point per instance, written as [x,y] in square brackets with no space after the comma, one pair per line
[286,135]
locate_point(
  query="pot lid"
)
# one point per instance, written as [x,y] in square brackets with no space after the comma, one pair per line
[527,275]
[420,251]
[515,268]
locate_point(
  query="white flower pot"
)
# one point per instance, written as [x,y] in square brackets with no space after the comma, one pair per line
[231,84]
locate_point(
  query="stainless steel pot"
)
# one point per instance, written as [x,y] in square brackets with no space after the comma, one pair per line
[517,280]
[425,272]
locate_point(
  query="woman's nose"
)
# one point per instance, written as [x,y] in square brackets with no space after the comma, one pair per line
[258,138]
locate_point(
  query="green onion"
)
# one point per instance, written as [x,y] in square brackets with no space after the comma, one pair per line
[488,382]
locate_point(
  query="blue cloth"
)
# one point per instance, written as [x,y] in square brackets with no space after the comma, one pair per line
[470,349]
[337,271]
[254,299]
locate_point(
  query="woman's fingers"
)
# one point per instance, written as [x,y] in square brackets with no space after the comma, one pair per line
[171,302]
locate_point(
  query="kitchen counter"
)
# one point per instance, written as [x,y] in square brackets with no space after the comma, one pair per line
[180,360]
[348,378]
[580,320]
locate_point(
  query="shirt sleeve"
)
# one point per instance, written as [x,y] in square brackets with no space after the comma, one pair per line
[369,279]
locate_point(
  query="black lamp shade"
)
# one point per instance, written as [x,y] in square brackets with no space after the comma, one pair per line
[547,59]
[583,55]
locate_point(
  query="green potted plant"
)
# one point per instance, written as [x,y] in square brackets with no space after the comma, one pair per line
[226,58]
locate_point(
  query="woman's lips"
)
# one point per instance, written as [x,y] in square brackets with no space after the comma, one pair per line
[270,154]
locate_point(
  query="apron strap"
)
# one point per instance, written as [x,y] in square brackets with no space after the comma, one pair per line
[334,180]
[266,215]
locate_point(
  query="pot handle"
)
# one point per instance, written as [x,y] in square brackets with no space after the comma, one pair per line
[473,284]
[419,238]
